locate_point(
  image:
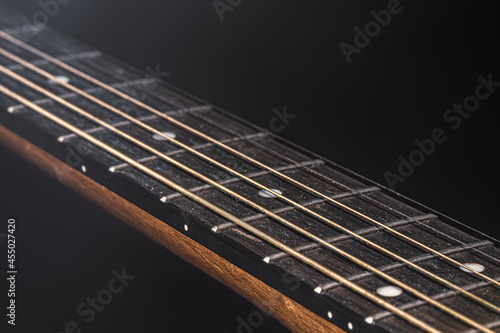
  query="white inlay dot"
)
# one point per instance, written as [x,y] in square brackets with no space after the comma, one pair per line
[350,326]
[158,137]
[369,320]
[61,78]
[186,227]
[84,168]
[389,291]
[330,315]
[475,267]
[267,194]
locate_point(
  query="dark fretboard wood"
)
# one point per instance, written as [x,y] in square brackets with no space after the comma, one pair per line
[327,298]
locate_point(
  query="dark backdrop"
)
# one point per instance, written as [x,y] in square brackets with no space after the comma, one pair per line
[263,55]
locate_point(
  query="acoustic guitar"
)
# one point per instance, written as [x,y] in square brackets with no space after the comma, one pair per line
[315,245]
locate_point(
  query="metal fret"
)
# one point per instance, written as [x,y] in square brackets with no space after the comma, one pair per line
[237,179]
[217,125]
[492,324]
[69,57]
[179,151]
[364,231]
[434,230]
[23,28]
[144,118]
[397,265]
[486,255]
[430,228]
[268,148]
[228,225]
[17,107]
[438,297]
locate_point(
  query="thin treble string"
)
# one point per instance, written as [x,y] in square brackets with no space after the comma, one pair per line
[92,98]
[208,138]
[345,254]
[371,199]
[223,189]
[435,277]
[351,285]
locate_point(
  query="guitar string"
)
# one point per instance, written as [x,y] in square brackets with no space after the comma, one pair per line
[267,189]
[233,151]
[365,197]
[301,257]
[374,201]
[441,280]
[49,96]
[330,199]
[244,199]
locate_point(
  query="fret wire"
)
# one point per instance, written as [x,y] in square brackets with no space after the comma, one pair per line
[386,206]
[254,205]
[439,296]
[318,216]
[493,325]
[373,200]
[234,151]
[197,147]
[15,108]
[226,181]
[281,210]
[429,227]
[353,286]
[141,118]
[394,266]
[23,29]
[477,251]
[363,231]
[251,181]
[68,57]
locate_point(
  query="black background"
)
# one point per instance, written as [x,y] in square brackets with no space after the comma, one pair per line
[264,55]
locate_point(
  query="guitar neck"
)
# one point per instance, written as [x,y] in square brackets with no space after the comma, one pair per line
[315,245]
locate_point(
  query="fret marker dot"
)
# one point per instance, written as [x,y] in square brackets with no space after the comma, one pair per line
[475,267]
[186,227]
[267,194]
[350,326]
[369,320]
[158,137]
[11,109]
[389,291]
[61,78]
[330,315]
[84,168]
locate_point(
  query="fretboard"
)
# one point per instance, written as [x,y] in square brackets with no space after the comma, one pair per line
[318,210]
